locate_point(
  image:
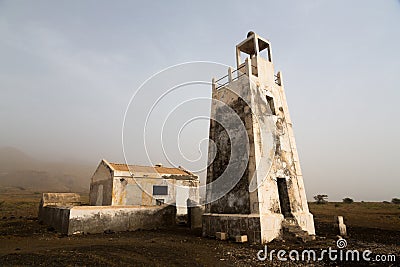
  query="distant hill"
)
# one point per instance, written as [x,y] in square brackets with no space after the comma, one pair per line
[17,169]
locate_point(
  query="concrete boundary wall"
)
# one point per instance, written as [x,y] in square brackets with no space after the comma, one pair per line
[97,219]
[56,217]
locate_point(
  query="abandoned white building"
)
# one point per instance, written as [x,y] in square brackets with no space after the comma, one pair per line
[116,184]
[123,198]
[254,182]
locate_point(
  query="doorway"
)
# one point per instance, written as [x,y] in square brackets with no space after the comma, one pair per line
[284,197]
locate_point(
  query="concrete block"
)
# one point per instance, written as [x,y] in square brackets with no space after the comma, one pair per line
[342,226]
[241,238]
[48,200]
[60,199]
[221,235]
[195,215]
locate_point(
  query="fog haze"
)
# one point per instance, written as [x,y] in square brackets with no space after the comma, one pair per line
[68,70]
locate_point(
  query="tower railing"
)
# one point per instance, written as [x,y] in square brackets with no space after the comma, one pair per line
[224,80]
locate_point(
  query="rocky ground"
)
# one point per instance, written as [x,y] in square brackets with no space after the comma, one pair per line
[23,241]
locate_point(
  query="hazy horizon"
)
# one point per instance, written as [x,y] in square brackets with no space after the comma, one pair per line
[69,69]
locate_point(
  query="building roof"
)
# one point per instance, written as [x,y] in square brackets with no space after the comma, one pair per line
[161,170]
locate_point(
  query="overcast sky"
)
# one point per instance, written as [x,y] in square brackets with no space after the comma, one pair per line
[69,68]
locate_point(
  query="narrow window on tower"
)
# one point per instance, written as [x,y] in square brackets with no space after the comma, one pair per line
[270,101]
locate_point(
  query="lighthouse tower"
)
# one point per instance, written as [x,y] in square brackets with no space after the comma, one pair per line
[254,180]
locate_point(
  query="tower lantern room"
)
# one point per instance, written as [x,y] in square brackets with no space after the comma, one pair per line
[252,46]
[256,49]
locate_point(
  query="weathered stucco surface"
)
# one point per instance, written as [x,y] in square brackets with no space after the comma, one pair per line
[257,97]
[53,208]
[118,185]
[123,201]
[101,186]
[97,219]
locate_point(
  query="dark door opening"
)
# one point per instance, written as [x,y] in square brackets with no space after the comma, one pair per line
[284,197]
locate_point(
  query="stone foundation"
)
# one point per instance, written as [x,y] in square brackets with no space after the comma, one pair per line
[233,225]
[259,228]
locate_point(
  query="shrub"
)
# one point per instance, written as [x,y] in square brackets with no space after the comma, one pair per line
[321,199]
[348,200]
[396,200]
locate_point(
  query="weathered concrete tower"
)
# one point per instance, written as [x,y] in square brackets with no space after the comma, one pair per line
[254,181]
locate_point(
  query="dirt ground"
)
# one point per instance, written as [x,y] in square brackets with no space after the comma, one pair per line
[23,241]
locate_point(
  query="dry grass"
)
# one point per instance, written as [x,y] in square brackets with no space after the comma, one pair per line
[24,241]
[361,214]
[17,202]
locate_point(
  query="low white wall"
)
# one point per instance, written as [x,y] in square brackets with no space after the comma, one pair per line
[97,219]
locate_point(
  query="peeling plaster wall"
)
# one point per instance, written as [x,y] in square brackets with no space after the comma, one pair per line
[285,158]
[139,191]
[237,199]
[111,187]
[272,154]
[97,219]
[101,186]
[126,187]
[272,149]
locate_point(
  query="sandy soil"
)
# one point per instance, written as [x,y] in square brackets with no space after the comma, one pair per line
[23,241]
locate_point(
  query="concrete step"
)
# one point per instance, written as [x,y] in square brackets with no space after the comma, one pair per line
[292,231]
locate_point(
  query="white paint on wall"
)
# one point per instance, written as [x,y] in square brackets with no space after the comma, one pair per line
[99,200]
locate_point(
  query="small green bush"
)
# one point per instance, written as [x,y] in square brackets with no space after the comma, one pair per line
[348,200]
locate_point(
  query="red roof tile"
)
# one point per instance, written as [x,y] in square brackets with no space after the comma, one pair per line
[149,169]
